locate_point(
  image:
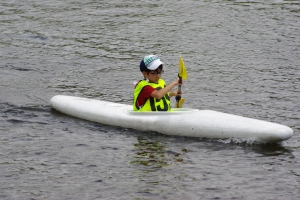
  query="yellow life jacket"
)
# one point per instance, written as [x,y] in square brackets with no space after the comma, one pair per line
[152,104]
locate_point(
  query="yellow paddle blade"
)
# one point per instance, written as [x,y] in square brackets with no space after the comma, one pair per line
[179,103]
[182,69]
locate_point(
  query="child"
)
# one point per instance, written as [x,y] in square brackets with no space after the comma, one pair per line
[153,95]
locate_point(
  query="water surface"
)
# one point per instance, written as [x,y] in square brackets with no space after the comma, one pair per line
[242,58]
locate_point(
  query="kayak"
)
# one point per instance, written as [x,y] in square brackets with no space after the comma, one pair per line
[180,121]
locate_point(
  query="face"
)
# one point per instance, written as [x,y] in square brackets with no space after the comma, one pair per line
[154,75]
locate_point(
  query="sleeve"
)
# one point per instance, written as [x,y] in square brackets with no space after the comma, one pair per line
[146,91]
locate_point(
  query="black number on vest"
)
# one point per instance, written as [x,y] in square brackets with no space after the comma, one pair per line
[166,106]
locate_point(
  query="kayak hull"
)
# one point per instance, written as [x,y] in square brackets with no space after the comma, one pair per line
[181,122]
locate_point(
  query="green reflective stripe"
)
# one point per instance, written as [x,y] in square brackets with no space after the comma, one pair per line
[152,103]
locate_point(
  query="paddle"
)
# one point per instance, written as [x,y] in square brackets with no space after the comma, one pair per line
[182,75]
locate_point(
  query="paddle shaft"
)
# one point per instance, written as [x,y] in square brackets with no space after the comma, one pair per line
[178,97]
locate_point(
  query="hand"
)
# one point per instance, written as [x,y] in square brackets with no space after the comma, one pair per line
[177,82]
[175,93]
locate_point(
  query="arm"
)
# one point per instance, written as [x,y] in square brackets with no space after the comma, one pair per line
[158,94]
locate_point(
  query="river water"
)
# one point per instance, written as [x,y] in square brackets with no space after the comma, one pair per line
[242,57]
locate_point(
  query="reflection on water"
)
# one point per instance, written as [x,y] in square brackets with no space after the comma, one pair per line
[149,153]
[155,154]
[264,149]
[275,149]
[158,170]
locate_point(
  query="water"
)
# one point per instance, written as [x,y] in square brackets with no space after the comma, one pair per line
[242,58]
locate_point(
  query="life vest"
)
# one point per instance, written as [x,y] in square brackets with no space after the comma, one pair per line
[152,104]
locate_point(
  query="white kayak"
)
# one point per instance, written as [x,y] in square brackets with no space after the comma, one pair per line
[181,122]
